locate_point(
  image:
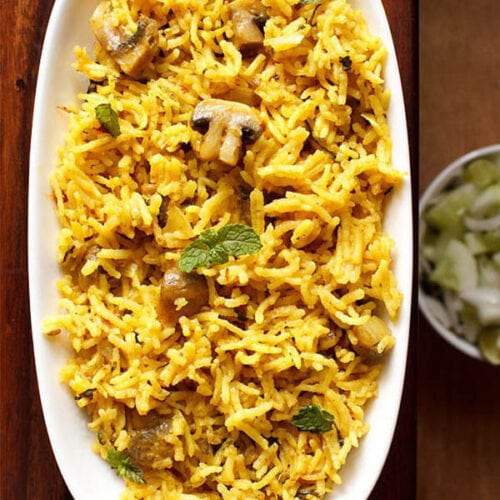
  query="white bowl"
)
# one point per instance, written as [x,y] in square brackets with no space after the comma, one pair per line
[453,170]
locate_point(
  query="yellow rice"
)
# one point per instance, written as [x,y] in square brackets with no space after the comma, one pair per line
[228,386]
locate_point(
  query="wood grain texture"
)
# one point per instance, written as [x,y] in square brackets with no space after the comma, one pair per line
[28,470]
[398,478]
[458,404]
[27,466]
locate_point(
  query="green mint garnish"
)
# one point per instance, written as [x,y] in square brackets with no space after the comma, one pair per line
[108,118]
[215,247]
[124,466]
[313,419]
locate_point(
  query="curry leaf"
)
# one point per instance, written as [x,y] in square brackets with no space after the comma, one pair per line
[314,419]
[309,2]
[215,247]
[124,466]
[108,118]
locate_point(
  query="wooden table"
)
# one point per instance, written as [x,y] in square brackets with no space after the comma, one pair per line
[458,398]
[28,469]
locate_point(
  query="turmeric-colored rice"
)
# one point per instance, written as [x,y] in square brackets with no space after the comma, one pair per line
[282,327]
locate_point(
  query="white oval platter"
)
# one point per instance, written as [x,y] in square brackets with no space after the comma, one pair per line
[86,475]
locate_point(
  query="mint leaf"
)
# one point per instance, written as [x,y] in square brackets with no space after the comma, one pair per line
[210,237]
[238,239]
[313,419]
[108,118]
[215,247]
[194,255]
[218,255]
[124,467]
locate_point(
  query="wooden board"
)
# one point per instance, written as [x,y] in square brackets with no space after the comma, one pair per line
[458,398]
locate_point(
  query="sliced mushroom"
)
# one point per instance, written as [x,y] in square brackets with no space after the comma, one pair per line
[226,124]
[177,285]
[149,445]
[369,335]
[132,53]
[248,22]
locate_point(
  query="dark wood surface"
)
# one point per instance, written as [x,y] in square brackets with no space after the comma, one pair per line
[458,398]
[28,468]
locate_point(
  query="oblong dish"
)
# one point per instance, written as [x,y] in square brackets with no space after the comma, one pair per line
[86,475]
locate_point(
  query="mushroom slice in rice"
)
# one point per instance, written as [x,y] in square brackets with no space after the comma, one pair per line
[226,125]
[150,445]
[131,52]
[369,335]
[176,286]
[247,20]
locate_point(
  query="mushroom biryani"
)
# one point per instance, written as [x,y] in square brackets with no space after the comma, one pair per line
[221,193]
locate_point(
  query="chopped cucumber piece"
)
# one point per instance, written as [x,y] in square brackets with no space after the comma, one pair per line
[447,213]
[487,203]
[489,343]
[456,269]
[475,243]
[488,272]
[491,240]
[479,243]
[481,172]
[435,243]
